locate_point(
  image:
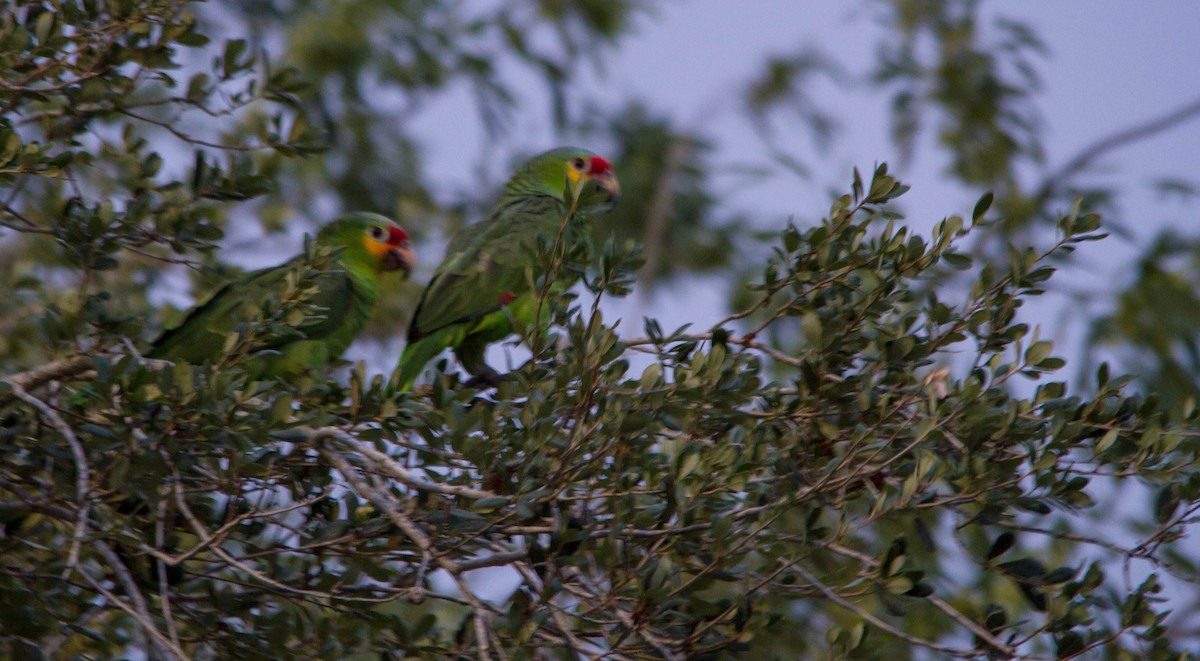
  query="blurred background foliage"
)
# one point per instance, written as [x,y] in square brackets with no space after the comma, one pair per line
[140,141]
[311,108]
[964,72]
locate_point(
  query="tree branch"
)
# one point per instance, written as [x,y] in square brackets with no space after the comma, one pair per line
[660,208]
[884,626]
[82,473]
[138,611]
[30,379]
[392,468]
[1089,154]
[983,634]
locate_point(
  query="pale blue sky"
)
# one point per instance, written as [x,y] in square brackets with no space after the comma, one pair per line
[1111,64]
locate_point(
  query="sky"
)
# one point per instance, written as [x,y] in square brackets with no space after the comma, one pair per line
[1111,64]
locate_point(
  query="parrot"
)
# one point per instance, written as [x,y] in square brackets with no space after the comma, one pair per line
[371,245]
[485,283]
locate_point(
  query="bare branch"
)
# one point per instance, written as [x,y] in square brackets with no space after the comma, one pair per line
[660,208]
[388,507]
[1081,161]
[138,611]
[59,369]
[493,560]
[391,467]
[884,626]
[82,473]
[164,585]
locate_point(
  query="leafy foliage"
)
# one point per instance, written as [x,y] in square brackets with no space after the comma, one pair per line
[666,202]
[95,102]
[1156,317]
[697,507]
[379,63]
[965,78]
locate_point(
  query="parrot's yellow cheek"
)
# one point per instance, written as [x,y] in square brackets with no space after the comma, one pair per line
[374,247]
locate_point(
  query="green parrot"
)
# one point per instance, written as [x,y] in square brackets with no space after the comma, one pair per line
[486,281]
[371,245]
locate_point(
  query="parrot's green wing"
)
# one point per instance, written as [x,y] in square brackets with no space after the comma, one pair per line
[499,265]
[486,281]
[202,333]
[333,304]
[337,312]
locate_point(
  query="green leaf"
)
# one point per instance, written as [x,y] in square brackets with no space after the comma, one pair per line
[490,503]
[1107,440]
[1034,505]
[1166,502]
[810,325]
[1025,569]
[981,207]
[1004,541]
[1059,575]
[920,590]
[957,260]
[650,376]
[198,87]
[43,27]
[1038,352]
[230,64]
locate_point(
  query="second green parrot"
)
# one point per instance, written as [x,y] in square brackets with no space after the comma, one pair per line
[486,281]
[343,298]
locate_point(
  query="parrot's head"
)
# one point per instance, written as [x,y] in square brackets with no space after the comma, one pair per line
[370,240]
[570,172]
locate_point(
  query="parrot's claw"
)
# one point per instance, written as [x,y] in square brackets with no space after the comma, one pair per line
[485,378]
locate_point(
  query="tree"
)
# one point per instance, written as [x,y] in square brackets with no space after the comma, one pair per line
[867,458]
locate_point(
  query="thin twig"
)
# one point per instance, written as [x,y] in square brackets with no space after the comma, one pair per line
[138,611]
[82,473]
[202,532]
[388,507]
[217,536]
[660,644]
[884,626]
[52,371]
[974,627]
[1089,154]
[493,560]
[391,467]
[660,209]
[164,584]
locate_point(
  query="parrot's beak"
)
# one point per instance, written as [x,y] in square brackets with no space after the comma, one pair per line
[606,182]
[399,258]
[609,189]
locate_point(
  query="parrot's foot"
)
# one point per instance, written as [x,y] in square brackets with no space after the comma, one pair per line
[485,377]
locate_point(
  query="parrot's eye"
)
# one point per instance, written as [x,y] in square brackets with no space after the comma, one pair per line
[579,164]
[377,233]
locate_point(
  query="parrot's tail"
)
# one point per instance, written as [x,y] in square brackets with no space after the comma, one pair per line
[416,355]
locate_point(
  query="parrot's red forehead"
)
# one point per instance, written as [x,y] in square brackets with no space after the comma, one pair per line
[599,166]
[396,236]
